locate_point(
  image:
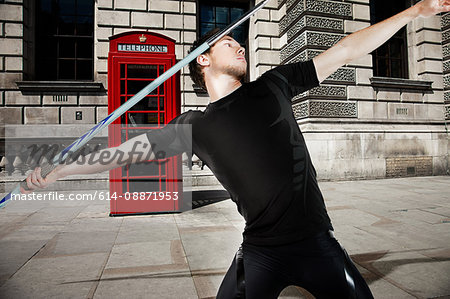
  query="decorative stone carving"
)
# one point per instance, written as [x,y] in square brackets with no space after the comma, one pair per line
[447,97]
[445,21]
[332,109]
[445,36]
[446,67]
[310,39]
[447,81]
[334,8]
[316,7]
[325,109]
[346,75]
[303,56]
[446,51]
[447,112]
[310,22]
[301,110]
[329,91]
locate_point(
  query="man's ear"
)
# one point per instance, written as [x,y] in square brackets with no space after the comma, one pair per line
[203,60]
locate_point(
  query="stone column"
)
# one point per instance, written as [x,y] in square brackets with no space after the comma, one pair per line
[445,25]
[309,27]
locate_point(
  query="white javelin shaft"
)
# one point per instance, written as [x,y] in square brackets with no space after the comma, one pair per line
[77,144]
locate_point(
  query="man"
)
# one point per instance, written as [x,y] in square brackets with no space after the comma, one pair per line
[250,140]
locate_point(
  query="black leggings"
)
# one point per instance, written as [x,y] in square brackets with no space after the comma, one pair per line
[317,264]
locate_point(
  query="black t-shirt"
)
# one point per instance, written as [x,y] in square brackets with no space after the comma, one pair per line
[253,145]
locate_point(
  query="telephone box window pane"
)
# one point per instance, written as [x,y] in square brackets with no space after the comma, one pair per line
[152,118]
[146,104]
[144,169]
[161,118]
[122,87]
[66,69]
[135,86]
[142,71]
[161,103]
[141,185]
[161,70]
[152,104]
[122,71]
[138,119]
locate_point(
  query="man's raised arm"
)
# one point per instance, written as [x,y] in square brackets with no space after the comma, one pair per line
[366,40]
[137,149]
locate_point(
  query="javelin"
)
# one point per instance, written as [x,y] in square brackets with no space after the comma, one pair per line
[77,144]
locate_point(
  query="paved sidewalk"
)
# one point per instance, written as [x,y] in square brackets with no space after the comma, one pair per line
[396,230]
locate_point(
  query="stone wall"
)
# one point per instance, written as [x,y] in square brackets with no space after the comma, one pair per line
[353,123]
[11,51]
[445,27]
[356,125]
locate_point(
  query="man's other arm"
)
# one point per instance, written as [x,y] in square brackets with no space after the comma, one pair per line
[134,150]
[368,39]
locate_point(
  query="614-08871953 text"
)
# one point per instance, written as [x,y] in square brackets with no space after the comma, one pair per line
[145,196]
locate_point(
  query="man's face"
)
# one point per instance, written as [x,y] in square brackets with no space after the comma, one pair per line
[227,56]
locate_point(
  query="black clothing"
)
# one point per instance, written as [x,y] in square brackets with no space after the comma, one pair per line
[253,145]
[314,263]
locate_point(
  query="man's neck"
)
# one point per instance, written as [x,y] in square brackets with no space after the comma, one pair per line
[221,86]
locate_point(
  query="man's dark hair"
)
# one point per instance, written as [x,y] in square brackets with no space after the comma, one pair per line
[195,69]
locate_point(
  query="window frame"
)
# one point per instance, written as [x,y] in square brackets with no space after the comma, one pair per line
[245,4]
[388,45]
[40,38]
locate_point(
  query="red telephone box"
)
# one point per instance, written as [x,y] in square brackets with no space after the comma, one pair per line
[135,59]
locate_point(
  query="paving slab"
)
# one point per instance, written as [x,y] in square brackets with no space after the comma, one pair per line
[59,277]
[413,273]
[148,288]
[396,230]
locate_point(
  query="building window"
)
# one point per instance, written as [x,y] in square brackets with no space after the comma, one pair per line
[390,59]
[64,39]
[220,14]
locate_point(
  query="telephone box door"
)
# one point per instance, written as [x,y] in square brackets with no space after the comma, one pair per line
[152,186]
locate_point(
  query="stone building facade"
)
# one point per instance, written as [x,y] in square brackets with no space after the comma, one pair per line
[357,125]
